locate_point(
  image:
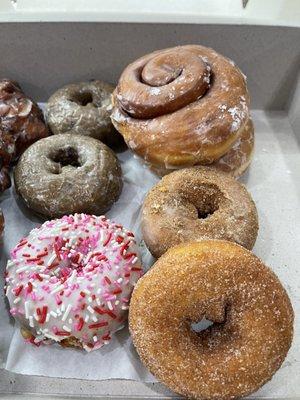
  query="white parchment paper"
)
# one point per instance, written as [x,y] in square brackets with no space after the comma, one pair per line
[273,181]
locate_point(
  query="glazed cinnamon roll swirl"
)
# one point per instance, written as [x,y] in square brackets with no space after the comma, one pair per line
[181,106]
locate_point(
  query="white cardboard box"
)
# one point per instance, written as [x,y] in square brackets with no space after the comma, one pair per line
[44,56]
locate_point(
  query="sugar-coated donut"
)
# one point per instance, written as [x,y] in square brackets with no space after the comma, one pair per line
[181,106]
[235,161]
[198,203]
[229,286]
[65,174]
[70,280]
[83,108]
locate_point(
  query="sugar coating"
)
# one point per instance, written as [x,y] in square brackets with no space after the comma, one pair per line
[70,280]
[198,203]
[228,285]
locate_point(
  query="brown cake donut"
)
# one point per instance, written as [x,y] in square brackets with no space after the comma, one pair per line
[21,124]
[67,174]
[181,106]
[194,204]
[83,108]
[229,286]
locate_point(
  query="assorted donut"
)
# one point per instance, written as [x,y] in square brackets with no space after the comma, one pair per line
[194,204]
[83,172]
[224,283]
[70,280]
[74,279]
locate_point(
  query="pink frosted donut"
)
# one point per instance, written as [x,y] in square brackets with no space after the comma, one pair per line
[71,279]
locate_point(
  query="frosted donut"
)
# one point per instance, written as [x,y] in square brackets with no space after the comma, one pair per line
[67,174]
[70,280]
[83,108]
[194,204]
[226,284]
[181,106]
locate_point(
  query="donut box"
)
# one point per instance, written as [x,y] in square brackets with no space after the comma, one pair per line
[54,54]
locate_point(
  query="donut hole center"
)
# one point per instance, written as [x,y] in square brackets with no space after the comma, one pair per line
[204,213]
[201,325]
[83,98]
[67,156]
[206,201]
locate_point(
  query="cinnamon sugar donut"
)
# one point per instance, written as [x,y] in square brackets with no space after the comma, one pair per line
[226,284]
[236,161]
[194,204]
[181,106]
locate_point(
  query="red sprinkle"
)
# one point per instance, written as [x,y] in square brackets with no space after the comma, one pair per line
[42,314]
[18,290]
[98,325]
[29,287]
[53,265]
[119,239]
[124,247]
[82,294]
[38,276]
[42,254]
[129,255]
[107,280]
[80,324]
[62,333]
[136,269]
[117,291]
[102,311]
[106,337]
[107,239]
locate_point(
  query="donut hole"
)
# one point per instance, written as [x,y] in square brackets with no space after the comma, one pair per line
[83,98]
[205,213]
[207,201]
[64,157]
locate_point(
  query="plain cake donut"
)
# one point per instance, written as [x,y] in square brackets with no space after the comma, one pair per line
[65,174]
[226,284]
[198,203]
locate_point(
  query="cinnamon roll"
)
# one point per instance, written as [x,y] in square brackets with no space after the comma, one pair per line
[181,106]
